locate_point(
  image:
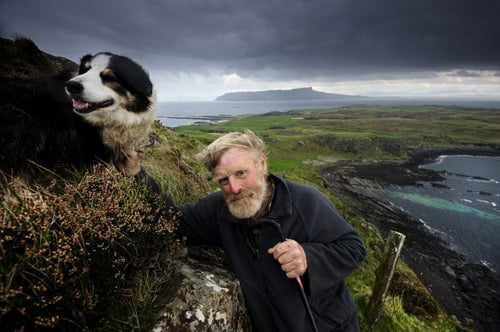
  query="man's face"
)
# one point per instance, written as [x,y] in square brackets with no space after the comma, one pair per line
[242,181]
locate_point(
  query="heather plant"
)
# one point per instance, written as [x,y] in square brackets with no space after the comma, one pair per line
[70,252]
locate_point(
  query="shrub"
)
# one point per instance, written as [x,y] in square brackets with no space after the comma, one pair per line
[68,251]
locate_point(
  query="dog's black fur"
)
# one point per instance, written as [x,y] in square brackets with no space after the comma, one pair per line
[39,127]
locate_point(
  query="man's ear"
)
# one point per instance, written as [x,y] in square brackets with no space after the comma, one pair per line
[263,163]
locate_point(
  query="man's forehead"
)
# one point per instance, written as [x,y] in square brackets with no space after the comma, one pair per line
[233,160]
[234,155]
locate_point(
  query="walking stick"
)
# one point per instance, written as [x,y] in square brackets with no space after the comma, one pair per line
[306,304]
[299,281]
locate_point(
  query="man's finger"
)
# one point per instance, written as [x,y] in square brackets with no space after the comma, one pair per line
[271,250]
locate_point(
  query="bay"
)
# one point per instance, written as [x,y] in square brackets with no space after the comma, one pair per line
[463,209]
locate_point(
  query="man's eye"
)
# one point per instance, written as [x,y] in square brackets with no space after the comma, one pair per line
[224,181]
[241,174]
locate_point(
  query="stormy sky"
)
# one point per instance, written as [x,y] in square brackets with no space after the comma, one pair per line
[199,49]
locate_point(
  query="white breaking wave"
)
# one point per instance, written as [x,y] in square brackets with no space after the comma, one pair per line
[486,202]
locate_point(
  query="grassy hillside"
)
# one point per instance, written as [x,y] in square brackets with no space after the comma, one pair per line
[22,58]
[73,294]
[93,251]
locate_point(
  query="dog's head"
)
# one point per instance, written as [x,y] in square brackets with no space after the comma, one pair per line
[111,88]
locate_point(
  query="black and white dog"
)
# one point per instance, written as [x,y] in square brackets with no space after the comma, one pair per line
[72,122]
[114,94]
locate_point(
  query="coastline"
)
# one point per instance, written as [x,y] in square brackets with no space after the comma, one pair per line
[468,291]
[422,156]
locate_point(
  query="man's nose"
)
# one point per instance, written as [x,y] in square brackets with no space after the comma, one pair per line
[234,186]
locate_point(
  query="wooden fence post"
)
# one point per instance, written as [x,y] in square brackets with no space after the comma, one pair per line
[385,271]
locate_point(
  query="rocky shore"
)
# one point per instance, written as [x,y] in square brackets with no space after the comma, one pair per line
[470,292]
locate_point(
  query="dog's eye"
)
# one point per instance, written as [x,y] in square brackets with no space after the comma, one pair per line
[108,77]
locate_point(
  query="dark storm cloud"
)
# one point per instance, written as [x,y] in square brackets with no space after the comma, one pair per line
[284,37]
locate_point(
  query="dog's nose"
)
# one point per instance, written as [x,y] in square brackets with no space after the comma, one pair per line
[73,87]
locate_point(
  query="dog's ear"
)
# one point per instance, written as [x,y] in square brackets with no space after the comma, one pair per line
[84,64]
[132,76]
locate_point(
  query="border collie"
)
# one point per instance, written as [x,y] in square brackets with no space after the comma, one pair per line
[62,122]
[115,94]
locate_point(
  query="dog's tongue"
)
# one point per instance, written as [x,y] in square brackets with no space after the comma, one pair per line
[79,105]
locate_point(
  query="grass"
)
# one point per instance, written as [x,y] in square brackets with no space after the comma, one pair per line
[420,125]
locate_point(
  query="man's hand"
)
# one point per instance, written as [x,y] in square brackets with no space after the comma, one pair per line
[129,164]
[291,256]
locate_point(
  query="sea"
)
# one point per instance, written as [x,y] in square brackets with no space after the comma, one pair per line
[464,208]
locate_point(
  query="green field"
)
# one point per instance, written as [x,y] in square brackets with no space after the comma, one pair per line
[445,125]
[314,137]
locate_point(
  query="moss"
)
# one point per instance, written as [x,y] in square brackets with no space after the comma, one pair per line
[416,299]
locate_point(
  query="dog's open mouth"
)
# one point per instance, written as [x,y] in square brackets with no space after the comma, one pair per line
[86,107]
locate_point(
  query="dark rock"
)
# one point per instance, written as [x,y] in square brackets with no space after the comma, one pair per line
[439,185]
[422,156]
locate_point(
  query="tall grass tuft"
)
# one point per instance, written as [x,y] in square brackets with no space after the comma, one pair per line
[70,252]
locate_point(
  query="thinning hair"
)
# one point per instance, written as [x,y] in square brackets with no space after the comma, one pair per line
[247,140]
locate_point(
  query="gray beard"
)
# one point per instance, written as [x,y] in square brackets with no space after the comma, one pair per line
[248,206]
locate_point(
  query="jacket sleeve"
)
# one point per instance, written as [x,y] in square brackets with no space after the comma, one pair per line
[152,186]
[198,222]
[333,247]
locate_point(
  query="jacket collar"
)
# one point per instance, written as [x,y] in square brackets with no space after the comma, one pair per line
[282,202]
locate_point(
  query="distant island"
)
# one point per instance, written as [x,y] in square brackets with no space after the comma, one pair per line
[293,94]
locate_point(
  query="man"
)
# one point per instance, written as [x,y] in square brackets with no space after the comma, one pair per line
[273,231]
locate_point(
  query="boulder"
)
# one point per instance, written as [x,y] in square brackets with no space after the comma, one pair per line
[208,298]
